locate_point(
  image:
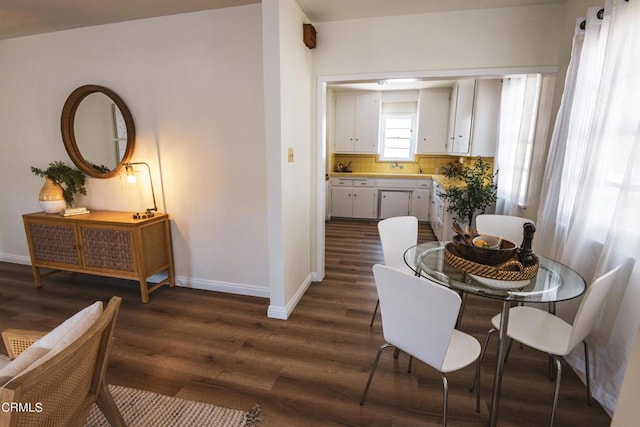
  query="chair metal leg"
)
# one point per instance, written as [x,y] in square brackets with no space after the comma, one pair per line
[463,296]
[396,353]
[557,389]
[550,368]
[476,377]
[375,311]
[506,356]
[373,370]
[445,399]
[587,368]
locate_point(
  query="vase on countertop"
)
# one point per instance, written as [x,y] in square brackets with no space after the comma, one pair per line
[51,197]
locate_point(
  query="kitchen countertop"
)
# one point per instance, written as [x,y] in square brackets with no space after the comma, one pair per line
[381,175]
[447,182]
[440,179]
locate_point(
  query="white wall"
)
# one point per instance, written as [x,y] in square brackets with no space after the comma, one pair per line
[288,116]
[193,83]
[507,37]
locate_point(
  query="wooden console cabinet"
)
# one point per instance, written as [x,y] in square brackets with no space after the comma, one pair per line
[104,243]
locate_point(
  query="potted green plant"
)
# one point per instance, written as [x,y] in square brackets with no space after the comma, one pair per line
[477,192]
[69,180]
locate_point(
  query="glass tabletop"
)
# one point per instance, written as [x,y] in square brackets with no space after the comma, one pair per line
[553,282]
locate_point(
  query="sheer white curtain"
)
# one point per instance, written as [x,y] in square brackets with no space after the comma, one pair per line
[567,152]
[588,216]
[524,120]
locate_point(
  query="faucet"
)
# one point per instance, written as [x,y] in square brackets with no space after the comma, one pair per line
[394,165]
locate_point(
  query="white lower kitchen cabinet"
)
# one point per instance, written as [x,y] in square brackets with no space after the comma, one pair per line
[394,203]
[364,203]
[420,204]
[380,198]
[341,201]
[353,198]
[441,220]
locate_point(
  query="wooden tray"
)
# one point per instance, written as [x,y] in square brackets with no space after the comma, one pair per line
[510,270]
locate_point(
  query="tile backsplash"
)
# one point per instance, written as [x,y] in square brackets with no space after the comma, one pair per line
[430,164]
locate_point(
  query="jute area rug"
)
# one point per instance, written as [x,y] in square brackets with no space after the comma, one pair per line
[145,409]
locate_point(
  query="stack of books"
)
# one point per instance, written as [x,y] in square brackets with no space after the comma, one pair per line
[74,211]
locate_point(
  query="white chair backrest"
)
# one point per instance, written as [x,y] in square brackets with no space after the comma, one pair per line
[590,307]
[418,316]
[397,234]
[505,226]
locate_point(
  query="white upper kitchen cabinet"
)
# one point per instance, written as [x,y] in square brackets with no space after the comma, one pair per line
[486,114]
[357,121]
[433,120]
[461,116]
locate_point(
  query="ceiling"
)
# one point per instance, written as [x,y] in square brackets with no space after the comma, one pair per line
[25,17]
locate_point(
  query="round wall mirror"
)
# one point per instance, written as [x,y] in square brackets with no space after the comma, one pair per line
[97,131]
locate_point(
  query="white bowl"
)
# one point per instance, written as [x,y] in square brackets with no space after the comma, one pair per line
[52,206]
[501,284]
[487,242]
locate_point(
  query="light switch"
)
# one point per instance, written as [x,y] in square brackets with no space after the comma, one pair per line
[290,154]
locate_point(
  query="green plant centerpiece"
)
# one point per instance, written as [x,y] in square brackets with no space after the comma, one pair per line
[477,192]
[71,180]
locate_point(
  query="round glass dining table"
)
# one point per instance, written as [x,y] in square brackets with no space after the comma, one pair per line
[554,282]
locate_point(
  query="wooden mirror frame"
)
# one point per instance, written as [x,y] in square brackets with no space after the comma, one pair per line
[68,132]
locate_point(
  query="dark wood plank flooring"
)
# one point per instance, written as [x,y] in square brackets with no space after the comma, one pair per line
[307,371]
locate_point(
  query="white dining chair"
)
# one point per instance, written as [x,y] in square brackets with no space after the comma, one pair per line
[504,226]
[397,234]
[418,317]
[547,332]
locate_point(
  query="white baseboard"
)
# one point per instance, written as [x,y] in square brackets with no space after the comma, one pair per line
[182,281]
[316,277]
[227,287]
[15,259]
[283,313]
[275,312]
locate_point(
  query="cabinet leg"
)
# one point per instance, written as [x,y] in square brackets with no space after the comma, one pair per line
[144,290]
[37,278]
[172,277]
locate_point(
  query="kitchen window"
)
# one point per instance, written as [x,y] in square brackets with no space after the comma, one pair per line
[397,133]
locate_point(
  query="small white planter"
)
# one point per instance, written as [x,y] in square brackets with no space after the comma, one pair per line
[52,206]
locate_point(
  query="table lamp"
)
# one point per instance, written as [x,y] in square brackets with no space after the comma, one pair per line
[131,178]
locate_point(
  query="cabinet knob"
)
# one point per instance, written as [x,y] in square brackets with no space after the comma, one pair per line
[355,195]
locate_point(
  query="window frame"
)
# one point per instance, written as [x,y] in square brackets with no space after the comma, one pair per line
[412,140]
